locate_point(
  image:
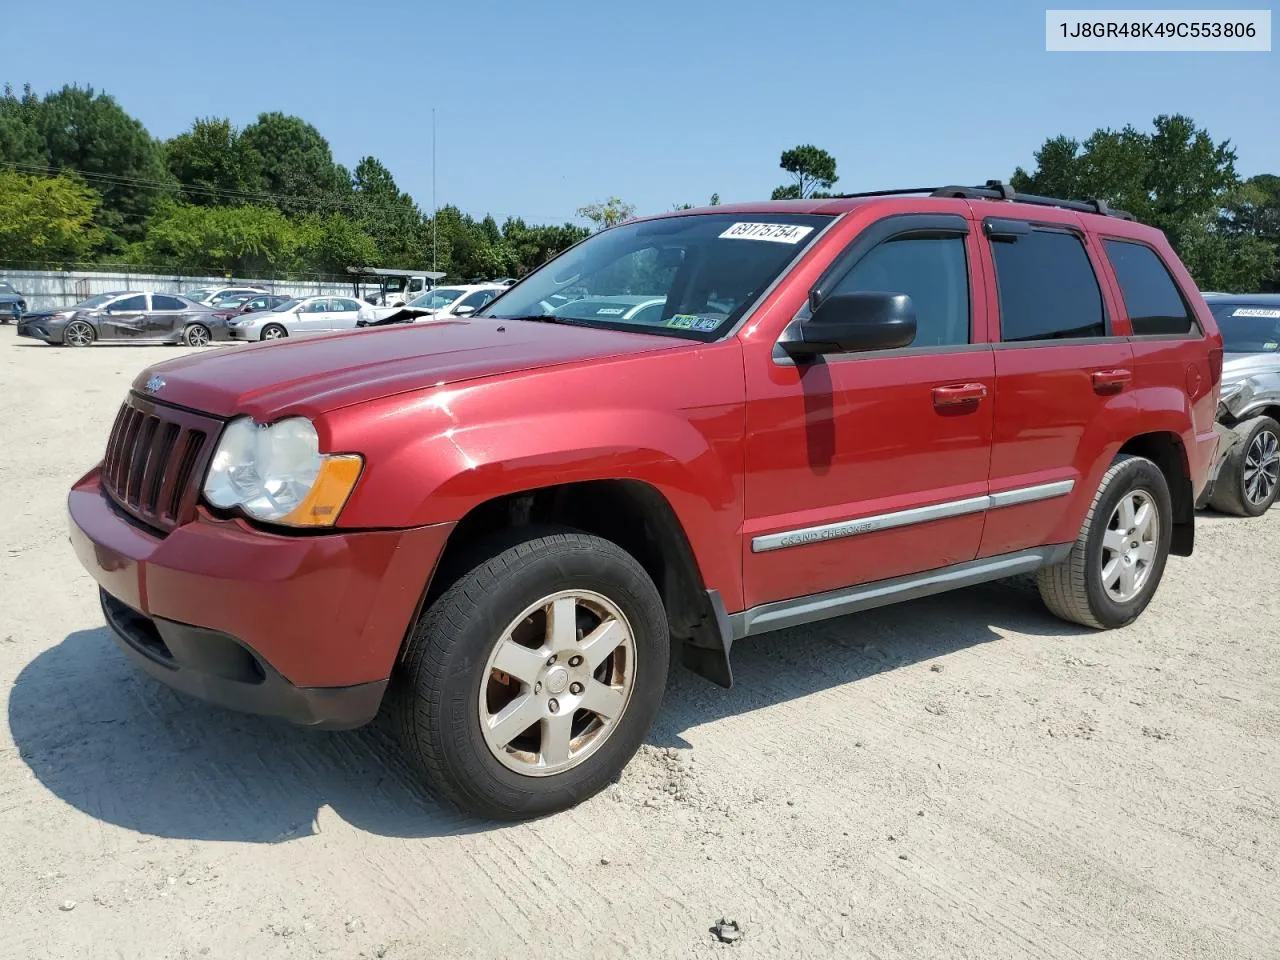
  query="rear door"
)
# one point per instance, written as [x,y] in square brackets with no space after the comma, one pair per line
[1064,370]
[124,319]
[167,317]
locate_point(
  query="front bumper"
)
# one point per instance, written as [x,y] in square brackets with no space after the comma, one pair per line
[41,329]
[243,333]
[304,627]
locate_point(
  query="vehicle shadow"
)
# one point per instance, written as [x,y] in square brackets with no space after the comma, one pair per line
[123,748]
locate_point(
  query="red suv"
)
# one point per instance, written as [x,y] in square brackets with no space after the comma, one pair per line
[683,431]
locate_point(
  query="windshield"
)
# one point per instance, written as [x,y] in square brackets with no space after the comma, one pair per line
[704,269]
[200,293]
[1248,328]
[436,299]
[5,288]
[95,301]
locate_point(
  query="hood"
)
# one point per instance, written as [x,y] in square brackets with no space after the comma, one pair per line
[311,376]
[1237,366]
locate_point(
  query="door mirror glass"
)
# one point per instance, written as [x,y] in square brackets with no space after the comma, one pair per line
[852,322]
[464,311]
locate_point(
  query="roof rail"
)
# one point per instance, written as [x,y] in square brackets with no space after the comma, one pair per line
[996,190]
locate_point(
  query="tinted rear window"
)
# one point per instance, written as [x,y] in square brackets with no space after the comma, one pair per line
[1151,298]
[1048,290]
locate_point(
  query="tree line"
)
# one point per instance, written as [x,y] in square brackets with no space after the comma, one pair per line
[1175,177]
[83,182]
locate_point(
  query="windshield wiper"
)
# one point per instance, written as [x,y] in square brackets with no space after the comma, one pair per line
[538,318]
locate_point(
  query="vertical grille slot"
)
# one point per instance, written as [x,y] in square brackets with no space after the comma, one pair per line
[153,480]
[138,462]
[186,467]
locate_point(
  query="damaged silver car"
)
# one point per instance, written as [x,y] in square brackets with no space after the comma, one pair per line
[1247,478]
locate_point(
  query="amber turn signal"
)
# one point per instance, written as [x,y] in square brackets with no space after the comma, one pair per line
[320,508]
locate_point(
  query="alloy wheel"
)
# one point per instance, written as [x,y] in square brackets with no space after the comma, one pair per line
[198,336]
[79,334]
[557,682]
[1261,467]
[1129,546]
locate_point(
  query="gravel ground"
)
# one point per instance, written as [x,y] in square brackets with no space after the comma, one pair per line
[958,777]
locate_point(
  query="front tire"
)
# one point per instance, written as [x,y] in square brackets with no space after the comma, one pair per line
[273,331]
[1116,563]
[534,678]
[1249,480]
[79,334]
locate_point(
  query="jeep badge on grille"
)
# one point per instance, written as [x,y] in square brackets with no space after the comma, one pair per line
[153,385]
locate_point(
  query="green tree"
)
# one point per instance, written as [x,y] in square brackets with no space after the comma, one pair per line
[1253,210]
[715,200]
[390,216]
[91,134]
[329,243]
[238,241]
[531,247]
[213,160]
[613,211]
[1176,178]
[20,139]
[46,219]
[813,171]
[297,165]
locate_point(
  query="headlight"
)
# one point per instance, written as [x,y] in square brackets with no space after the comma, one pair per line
[277,473]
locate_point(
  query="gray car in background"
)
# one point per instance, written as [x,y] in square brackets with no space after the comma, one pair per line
[127,317]
[1247,480]
[12,304]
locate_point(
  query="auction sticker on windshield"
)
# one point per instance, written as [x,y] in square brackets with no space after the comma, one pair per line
[775,232]
[1256,312]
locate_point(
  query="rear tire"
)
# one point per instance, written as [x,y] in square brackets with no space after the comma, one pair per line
[197,335]
[1247,484]
[1116,563]
[488,650]
[273,331]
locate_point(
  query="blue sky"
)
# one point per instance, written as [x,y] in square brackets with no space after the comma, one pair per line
[542,107]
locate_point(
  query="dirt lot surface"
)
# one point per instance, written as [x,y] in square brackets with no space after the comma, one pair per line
[958,777]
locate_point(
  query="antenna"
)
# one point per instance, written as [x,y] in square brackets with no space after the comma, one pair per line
[435,208]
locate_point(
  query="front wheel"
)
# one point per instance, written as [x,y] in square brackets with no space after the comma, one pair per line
[273,331]
[534,678]
[1249,480]
[78,334]
[1116,563]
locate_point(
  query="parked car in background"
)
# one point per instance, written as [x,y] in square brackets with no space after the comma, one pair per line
[1247,479]
[127,317]
[211,295]
[296,318]
[510,526]
[244,303]
[12,304]
[460,300]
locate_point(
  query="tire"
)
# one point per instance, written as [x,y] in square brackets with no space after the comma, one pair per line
[451,666]
[1074,589]
[273,331]
[79,334]
[197,335]
[1247,484]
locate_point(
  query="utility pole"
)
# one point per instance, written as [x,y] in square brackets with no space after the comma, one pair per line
[435,209]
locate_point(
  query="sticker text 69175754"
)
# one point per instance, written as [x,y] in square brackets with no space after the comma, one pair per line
[774,232]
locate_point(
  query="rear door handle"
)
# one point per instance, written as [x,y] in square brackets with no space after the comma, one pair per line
[1111,381]
[958,393]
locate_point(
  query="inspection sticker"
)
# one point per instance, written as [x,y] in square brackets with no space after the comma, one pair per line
[610,311]
[1256,312]
[775,232]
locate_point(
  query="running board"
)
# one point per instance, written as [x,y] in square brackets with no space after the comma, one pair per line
[880,593]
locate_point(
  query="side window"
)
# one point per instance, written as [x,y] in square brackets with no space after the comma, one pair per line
[478,299]
[1151,298]
[1048,290]
[317,306]
[160,302]
[345,306]
[933,271]
[136,304]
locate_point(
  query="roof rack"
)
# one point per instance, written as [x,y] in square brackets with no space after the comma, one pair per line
[998,190]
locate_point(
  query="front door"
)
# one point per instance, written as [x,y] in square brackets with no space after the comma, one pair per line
[313,317]
[867,466]
[1062,374]
[125,319]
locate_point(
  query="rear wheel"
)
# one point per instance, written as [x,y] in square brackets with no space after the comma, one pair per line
[197,335]
[273,331]
[78,334]
[1249,480]
[533,679]
[1116,563]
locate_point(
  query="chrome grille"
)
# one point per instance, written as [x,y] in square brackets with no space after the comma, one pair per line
[155,458]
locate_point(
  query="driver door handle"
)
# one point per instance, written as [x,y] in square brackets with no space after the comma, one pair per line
[956,394]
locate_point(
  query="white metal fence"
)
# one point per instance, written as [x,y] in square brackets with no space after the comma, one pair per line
[52,289]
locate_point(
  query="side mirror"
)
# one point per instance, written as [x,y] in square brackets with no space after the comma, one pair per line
[464,311]
[850,322]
